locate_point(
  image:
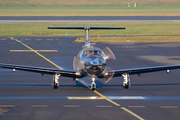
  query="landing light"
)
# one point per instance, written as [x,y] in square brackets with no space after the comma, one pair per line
[106,73]
[78,73]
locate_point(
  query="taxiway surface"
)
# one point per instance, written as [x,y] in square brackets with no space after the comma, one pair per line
[25,95]
[87,19]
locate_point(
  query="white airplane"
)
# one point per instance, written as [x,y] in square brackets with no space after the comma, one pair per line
[90,62]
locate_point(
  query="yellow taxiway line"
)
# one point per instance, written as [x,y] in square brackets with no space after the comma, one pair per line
[38,53]
[39,106]
[7,105]
[33,51]
[104,97]
[169,106]
[107,98]
[135,115]
[71,106]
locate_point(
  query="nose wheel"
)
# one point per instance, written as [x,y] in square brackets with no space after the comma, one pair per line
[93,84]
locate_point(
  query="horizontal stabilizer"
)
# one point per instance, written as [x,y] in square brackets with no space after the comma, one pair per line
[65,27]
[86,27]
[107,28]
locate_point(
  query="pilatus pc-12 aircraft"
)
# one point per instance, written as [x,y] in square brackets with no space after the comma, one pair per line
[90,62]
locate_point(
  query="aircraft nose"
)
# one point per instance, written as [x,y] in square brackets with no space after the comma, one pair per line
[94,63]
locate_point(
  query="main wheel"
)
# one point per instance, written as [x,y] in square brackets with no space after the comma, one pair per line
[55,85]
[126,86]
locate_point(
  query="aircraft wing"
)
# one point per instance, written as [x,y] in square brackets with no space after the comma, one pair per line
[42,70]
[143,70]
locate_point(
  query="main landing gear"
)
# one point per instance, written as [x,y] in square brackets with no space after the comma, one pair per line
[126,82]
[93,84]
[55,82]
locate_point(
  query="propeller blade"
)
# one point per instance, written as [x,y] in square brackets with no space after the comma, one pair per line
[110,75]
[109,54]
[74,63]
[77,65]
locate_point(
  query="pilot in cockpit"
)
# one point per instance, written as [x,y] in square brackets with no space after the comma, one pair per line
[97,52]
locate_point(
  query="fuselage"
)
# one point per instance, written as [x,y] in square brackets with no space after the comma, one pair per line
[91,61]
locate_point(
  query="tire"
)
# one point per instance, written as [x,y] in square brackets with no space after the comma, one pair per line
[93,87]
[126,86]
[55,85]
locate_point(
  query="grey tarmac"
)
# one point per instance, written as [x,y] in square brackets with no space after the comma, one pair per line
[25,95]
[87,19]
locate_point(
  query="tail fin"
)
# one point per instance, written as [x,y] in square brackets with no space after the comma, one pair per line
[86,28]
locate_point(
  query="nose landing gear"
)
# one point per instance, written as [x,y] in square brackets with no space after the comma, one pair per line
[93,84]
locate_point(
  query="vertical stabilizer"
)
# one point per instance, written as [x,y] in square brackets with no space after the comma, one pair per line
[87,41]
[87,28]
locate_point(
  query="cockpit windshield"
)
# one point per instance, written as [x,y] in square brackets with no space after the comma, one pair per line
[92,51]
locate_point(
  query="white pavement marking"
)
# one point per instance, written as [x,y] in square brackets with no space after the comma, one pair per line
[85,98]
[126,97]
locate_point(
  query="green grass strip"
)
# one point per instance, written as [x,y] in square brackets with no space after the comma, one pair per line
[61,11]
[133,39]
[40,29]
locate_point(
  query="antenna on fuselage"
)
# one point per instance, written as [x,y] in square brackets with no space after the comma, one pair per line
[86,28]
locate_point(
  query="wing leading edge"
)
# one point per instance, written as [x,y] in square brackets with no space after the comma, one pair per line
[143,70]
[42,70]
